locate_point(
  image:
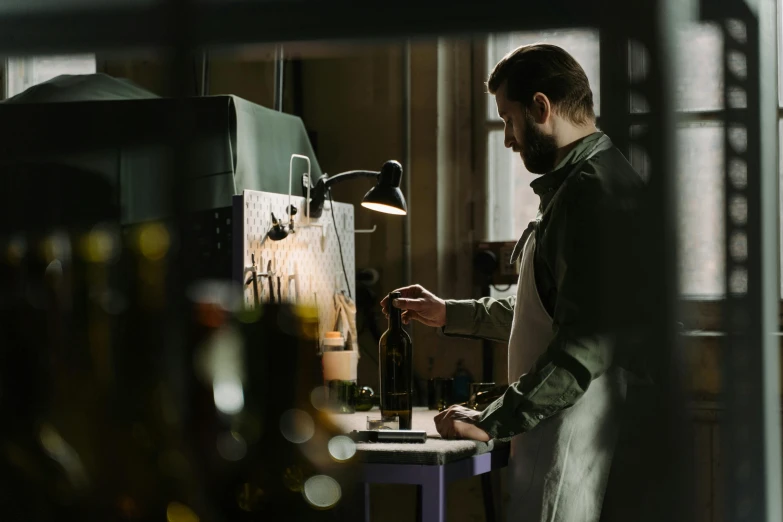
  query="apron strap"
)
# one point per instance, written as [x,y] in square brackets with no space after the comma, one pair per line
[603,144]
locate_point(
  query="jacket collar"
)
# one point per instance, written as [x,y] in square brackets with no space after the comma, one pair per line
[546,186]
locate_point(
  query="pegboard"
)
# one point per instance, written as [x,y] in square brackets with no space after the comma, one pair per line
[307,261]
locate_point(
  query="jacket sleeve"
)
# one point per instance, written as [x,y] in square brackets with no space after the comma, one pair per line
[581,348]
[485,318]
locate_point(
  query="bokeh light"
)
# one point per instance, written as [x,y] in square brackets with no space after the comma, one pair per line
[54,270]
[249,497]
[223,294]
[247,425]
[293,478]
[127,507]
[100,245]
[210,315]
[178,512]
[308,321]
[319,398]
[62,452]
[219,362]
[56,246]
[322,491]
[341,448]
[250,315]
[297,426]
[16,250]
[228,394]
[154,241]
[231,446]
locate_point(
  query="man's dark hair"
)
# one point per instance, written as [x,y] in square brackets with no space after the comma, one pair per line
[548,69]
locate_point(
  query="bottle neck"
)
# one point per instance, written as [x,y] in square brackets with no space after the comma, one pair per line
[395,318]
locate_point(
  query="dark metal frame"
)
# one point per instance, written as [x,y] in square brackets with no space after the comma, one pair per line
[751,359]
[59,28]
[184,27]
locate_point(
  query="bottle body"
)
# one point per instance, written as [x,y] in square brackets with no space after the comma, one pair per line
[396,369]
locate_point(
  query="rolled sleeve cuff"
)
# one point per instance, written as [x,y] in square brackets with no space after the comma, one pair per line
[499,425]
[460,317]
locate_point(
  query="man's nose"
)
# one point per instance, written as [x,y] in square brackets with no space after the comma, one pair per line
[509,142]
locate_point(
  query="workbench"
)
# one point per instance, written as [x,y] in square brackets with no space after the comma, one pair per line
[431,465]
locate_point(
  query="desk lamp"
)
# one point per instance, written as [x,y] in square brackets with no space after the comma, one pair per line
[384,197]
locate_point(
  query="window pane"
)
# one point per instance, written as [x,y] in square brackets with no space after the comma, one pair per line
[780,53]
[698,81]
[26,72]
[780,207]
[700,190]
[581,43]
[512,204]
[699,78]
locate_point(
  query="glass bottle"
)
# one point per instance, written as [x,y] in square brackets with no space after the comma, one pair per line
[396,368]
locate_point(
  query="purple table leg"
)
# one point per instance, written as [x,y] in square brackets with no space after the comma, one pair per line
[366,504]
[432,479]
[433,495]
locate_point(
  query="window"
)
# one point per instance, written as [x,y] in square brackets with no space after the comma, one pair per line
[22,73]
[511,203]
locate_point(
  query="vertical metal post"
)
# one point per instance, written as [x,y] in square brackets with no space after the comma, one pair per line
[659,142]
[279,75]
[615,85]
[204,88]
[407,269]
[174,357]
[751,382]
[636,64]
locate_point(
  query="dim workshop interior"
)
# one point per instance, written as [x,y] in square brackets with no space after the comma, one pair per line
[412,261]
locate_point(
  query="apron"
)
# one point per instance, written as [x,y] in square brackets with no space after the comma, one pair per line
[559,470]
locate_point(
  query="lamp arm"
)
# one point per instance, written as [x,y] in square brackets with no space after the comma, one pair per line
[324,183]
[337,178]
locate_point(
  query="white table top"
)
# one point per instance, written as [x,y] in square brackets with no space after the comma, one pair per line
[435,451]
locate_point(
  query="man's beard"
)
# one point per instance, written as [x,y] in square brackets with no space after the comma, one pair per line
[539,151]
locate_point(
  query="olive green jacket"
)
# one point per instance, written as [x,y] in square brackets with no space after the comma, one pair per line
[586,264]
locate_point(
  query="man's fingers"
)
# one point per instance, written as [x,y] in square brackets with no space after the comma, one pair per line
[411,315]
[441,415]
[440,426]
[405,291]
[410,291]
[428,322]
[410,304]
[445,429]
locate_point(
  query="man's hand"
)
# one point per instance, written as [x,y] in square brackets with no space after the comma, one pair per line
[457,422]
[418,304]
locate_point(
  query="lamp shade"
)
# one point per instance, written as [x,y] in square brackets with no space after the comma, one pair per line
[386,195]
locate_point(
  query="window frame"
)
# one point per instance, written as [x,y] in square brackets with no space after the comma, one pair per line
[698,313]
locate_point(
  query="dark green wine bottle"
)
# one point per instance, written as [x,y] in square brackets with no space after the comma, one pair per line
[396,368]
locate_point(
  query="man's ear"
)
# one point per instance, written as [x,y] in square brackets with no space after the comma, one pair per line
[541,108]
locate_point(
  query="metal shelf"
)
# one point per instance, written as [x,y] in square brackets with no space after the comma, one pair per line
[82,28]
